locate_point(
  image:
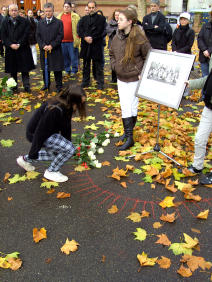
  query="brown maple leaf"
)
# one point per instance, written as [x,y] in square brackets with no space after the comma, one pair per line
[164,262]
[6,176]
[145,213]
[39,234]
[191,196]
[195,262]
[124,184]
[185,272]
[62,195]
[168,217]
[15,263]
[105,163]
[163,240]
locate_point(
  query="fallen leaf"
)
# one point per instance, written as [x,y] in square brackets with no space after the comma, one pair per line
[48,260]
[39,234]
[129,167]
[157,225]
[190,242]
[69,246]
[153,186]
[6,143]
[203,215]
[140,234]
[135,217]
[32,174]
[106,163]
[113,209]
[103,259]
[191,196]
[183,271]
[49,184]
[169,217]
[17,178]
[164,262]
[163,240]
[62,195]
[124,184]
[50,191]
[4,263]
[145,261]
[195,262]
[15,263]
[167,202]
[179,248]
[81,168]
[145,213]
[195,230]
[6,176]
[10,198]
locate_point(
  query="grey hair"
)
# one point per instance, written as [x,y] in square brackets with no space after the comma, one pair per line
[12,5]
[48,5]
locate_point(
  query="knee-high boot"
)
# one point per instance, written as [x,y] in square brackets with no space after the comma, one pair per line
[134,122]
[128,129]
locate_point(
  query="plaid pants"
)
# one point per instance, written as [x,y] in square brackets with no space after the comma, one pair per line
[56,149]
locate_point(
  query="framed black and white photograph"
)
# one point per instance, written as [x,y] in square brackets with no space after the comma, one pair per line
[163,77]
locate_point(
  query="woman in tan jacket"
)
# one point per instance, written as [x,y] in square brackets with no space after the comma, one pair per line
[128,52]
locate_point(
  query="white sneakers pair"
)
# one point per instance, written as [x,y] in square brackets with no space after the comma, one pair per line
[50,175]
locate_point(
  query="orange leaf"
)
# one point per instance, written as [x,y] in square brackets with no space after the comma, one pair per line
[191,196]
[209,186]
[10,198]
[62,195]
[203,215]
[171,187]
[157,225]
[195,230]
[103,259]
[6,176]
[106,163]
[119,143]
[164,262]
[187,172]
[124,184]
[69,246]
[169,217]
[115,176]
[15,263]
[141,183]
[153,171]
[195,182]
[153,186]
[130,167]
[185,272]
[145,213]
[168,172]
[163,240]
[195,262]
[113,209]
[50,191]
[39,234]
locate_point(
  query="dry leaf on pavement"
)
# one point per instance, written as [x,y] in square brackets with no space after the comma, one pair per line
[185,272]
[62,195]
[164,262]
[169,217]
[39,234]
[163,240]
[69,246]
[203,215]
[15,263]
[113,209]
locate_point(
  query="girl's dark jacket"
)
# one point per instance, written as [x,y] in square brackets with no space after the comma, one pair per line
[205,41]
[207,90]
[183,39]
[19,60]
[46,122]
[51,34]
[32,34]
[128,72]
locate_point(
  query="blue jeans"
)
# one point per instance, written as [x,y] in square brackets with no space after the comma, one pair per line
[70,55]
[205,69]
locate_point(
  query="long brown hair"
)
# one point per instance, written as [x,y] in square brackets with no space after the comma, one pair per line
[133,38]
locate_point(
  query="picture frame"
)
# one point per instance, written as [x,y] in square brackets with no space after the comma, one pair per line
[163,77]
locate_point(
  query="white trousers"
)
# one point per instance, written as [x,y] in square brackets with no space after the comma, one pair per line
[201,138]
[34,54]
[128,100]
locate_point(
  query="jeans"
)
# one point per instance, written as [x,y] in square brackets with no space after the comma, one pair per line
[205,69]
[201,138]
[70,55]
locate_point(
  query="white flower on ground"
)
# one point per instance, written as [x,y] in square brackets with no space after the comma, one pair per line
[90,153]
[93,145]
[100,151]
[107,135]
[116,134]
[93,157]
[11,82]
[98,165]
[106,142]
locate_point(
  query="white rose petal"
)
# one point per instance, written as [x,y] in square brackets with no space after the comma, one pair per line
[90,153]
[98,165]
[107,135]
[93,157]
[11,82]
[93,145]
[100,151]
[116,134]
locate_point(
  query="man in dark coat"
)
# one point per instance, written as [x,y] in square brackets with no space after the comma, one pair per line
[2,16]
[91,30]
[205,46]
[18,55]
[154,24]
[49,38]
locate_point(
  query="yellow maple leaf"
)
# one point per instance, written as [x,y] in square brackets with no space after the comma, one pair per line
[39,234]
[4,263]
[203,215]
[135,217]
[145,261]
[190,242]
[167,202]
[69,246]
[157,225]
[113,209]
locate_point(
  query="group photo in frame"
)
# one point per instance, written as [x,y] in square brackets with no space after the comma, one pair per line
[163,77]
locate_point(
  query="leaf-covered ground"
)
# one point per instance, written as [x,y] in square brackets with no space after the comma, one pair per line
[138,218]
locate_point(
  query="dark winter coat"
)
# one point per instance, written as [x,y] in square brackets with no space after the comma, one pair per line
[111,29]
[32,34]
[156,36]
[204,41]
[94,26]
[183,39]
[19,60]
[128,72]
[207,90]
[1,20]
[51,34]
[46,122]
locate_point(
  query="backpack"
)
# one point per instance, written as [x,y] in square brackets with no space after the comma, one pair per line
[168,32]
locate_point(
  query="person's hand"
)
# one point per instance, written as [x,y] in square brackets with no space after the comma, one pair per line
[156,26]
[49,48]
[88,39]
[206,53]
[15,46]
[139,77]
[45,48]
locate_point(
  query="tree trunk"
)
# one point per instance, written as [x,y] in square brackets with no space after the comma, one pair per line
[141,9]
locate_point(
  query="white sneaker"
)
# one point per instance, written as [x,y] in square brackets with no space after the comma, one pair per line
[55,176]
[25,165]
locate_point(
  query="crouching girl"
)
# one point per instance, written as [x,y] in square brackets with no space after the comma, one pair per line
[49,131]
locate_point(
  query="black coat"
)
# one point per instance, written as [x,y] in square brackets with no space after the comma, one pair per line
[51,34]
[32,34]
[183,39]
[17,60]
[156,36]
[94,26]
[207,91]
[204,41]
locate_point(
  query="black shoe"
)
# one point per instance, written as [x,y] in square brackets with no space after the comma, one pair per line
[27,89]
[128,129]
[15,90]
[59,90]
[100,87]
[192,169]
[85,85]
[207,180]
[44,88]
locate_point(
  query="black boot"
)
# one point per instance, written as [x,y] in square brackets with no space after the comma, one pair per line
[134,122]
[128,129]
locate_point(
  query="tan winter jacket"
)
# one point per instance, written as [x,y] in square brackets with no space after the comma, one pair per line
[128,72]
[74,20]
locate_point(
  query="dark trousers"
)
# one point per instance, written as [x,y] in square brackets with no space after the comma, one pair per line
[25,78]
[1,49]
[114,77]
[99,75]
[58,79]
